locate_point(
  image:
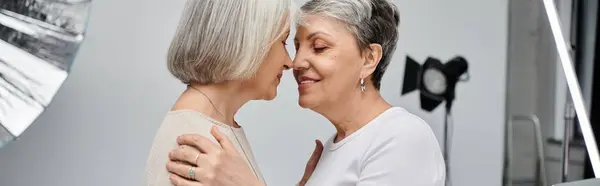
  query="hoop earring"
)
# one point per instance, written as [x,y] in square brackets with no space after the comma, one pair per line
[362,85]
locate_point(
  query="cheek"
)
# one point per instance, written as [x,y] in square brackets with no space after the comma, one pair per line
[261,84]
[333,58]
[270,68]
[263,79]
[340,74]
[267,79]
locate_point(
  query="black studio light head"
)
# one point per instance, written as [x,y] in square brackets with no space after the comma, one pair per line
[435,81]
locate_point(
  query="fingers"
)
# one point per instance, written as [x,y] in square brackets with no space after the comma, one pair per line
[179,169]
[186,154]
[316,155]
[177,180]
[312,161]
[223,140]
[199,142]
[182,170]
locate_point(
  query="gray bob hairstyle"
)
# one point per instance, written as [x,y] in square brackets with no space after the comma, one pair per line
[371,21]
[222,40]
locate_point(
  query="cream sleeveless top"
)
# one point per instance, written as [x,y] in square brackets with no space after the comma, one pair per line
[181,122]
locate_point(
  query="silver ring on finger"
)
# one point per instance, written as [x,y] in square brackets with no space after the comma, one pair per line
[192,173]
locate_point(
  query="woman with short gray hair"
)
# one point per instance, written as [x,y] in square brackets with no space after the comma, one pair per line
[225,63]
[343,48]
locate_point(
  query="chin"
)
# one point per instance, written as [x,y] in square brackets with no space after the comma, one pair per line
[305,102]
[270,96]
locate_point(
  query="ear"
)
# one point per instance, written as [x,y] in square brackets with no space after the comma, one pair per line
[373,56]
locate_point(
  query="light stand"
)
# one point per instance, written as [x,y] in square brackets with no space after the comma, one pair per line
[447,143]
[436,83]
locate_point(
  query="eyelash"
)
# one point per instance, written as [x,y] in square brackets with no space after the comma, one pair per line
[315,49]
[319,49]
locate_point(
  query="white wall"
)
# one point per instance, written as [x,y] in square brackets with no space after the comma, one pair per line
[478,30]
[98,130]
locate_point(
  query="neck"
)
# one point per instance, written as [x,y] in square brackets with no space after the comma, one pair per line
[349,115]
[218,101]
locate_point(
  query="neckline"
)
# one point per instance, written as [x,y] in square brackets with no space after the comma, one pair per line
[337,145]
[212,120]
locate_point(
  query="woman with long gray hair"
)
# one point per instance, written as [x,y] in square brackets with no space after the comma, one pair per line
[343,48]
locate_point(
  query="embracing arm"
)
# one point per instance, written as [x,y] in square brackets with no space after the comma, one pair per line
[209,164]
[218,164]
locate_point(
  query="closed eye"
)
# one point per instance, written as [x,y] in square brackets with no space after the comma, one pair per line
[319,49]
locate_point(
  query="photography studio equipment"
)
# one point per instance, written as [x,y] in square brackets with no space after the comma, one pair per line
[436,83]
[38,43]
[576,96]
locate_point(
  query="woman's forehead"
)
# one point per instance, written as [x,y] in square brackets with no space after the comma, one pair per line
[320,23]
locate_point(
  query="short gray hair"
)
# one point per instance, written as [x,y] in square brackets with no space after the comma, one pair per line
[371,21]
[221,40]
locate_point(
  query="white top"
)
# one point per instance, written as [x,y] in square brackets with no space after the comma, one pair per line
[396,148]
[181,122]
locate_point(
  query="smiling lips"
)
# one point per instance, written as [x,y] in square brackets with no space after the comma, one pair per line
[304,82]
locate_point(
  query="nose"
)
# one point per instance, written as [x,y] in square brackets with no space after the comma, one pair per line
[300,62]
[287,63]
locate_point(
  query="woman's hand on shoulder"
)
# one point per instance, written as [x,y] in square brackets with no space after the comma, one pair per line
[200,162]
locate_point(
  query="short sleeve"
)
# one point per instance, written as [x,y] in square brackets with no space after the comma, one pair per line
[408,157]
